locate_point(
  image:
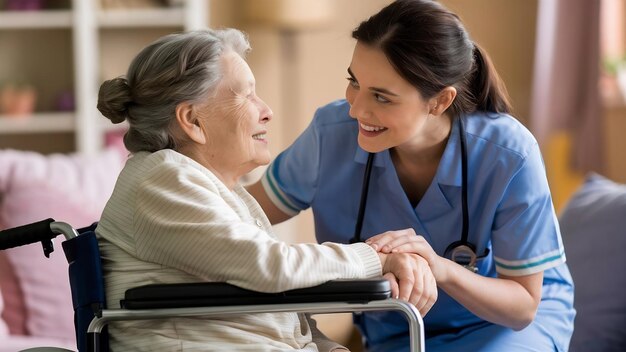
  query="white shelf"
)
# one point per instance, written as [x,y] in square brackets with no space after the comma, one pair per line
[37,123]
[35,19]
[85,20]
[157,17]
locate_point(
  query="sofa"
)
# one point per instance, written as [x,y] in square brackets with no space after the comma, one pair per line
[35,299]
[593,226]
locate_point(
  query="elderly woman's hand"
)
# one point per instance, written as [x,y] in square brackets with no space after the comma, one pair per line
[407,241]
[411,279]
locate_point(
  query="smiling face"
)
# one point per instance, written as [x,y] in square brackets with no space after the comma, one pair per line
[234,122]
[391,112]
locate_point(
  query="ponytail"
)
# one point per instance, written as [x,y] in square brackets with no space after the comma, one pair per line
[489,91]
[429,47]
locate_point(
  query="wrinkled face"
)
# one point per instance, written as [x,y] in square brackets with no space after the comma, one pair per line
[235,119]
[391,112]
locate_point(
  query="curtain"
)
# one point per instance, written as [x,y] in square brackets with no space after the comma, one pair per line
[565,95]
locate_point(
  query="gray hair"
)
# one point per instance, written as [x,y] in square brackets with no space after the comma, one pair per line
[176,68]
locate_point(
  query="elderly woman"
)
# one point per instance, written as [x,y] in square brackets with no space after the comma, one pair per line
[177,213]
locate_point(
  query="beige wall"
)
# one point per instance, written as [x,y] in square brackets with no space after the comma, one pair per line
[307,68]
[297,70]
[506,29]
[302,69]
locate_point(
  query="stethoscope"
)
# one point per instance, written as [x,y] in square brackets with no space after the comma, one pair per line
[462,252]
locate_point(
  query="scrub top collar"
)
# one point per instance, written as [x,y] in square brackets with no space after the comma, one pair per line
[360,157]
[449,170]
[439,198]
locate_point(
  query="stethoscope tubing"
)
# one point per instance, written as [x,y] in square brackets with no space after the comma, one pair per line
[463,245]
[363,201]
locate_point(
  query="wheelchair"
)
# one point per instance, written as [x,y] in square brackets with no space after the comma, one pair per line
[207,299]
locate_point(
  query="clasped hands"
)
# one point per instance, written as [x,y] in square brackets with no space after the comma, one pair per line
[409,264]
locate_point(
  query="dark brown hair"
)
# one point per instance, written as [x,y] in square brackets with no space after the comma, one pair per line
[429,47]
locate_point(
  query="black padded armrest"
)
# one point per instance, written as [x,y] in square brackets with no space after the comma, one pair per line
[210,294]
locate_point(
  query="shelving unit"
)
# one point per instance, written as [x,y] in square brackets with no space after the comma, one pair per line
[39,123]
[141,18]
[35,19]
[84,22]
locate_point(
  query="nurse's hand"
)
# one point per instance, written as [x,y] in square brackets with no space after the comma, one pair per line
[407,241]
[411,279]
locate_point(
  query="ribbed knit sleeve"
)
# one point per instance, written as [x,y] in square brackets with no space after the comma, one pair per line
[186,219]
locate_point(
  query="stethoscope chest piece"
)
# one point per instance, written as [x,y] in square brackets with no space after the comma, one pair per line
[463,254]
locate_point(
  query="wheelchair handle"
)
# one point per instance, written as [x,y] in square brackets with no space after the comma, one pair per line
[42,231]
[26,234]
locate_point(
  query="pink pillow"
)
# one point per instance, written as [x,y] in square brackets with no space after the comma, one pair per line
[26,343]
[69,188]
[14,313]
[4,330]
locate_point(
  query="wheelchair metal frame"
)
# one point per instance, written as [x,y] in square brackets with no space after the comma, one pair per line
[416,334]
[105,316]
[416,331]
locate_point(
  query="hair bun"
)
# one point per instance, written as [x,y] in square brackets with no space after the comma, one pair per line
[114,99]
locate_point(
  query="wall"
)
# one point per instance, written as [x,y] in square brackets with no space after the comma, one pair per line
[506,29]
[302,69]
[615,144]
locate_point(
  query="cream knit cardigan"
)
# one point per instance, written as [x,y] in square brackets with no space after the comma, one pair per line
[171,220]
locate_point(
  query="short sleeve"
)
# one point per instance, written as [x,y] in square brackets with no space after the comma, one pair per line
[526,237]
[291,179]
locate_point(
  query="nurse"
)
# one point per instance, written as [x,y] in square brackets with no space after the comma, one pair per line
[454,178]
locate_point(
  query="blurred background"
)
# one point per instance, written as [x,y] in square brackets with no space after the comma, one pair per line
[563,61]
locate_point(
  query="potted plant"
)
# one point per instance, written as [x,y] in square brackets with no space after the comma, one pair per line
[616,67]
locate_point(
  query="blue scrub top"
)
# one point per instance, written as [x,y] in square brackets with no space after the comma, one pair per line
[510,209]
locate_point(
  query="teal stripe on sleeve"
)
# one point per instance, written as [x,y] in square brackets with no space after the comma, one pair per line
[278,193]
[529,265]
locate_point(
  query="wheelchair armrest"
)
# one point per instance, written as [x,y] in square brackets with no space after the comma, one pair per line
[211,294]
